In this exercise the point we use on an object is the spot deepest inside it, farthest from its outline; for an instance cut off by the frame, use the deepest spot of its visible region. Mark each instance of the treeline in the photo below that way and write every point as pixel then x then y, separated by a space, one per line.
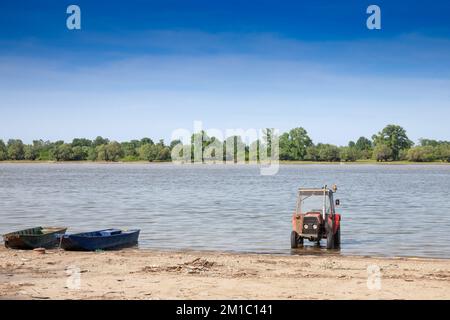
pixel 390 144
pixel 100 149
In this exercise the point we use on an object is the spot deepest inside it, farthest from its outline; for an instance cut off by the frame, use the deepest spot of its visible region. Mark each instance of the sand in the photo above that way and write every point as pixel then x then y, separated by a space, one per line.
pixel 150 274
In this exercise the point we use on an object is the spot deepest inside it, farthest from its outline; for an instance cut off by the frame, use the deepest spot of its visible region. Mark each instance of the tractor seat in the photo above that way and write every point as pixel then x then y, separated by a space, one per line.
pixel 313 213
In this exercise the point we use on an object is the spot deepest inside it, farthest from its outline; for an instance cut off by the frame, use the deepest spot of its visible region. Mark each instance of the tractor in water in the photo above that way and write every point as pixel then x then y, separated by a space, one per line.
pixel 315 218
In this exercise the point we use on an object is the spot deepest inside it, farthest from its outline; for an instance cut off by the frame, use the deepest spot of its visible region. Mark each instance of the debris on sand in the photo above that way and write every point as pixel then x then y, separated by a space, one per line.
pixel 197 265
pixel 39 250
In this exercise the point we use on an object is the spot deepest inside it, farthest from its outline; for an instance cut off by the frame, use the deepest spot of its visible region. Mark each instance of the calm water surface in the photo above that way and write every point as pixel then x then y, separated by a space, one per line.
pixel 387 210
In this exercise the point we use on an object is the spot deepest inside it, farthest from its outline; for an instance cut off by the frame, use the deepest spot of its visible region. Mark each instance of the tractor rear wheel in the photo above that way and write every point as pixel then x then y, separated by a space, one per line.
pixel 337 238
pixel 294 239
pixel 330 238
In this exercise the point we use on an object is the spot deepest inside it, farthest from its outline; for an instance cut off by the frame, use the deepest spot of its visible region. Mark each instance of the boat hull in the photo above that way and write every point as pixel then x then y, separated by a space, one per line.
pixel 91 241
pixel 33 238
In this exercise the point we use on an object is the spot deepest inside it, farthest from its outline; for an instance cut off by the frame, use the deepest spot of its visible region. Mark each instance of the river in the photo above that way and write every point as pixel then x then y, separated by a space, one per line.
pixel 387 210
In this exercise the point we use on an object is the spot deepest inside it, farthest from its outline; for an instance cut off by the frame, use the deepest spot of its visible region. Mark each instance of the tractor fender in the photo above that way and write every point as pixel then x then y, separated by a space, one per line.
pixel 337 222
pixel 297 222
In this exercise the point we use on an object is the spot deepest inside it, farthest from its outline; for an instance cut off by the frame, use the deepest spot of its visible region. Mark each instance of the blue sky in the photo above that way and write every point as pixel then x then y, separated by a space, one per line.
pixel 146 68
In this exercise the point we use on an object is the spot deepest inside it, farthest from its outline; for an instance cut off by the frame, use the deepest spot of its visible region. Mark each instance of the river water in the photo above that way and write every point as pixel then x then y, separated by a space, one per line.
pixel 387 210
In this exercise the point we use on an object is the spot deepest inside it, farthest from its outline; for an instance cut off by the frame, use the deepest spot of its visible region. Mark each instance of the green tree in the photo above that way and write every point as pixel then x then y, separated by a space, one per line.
pixel 62 152
pixel 101 152
pixel 163 154
pixel 16 149
pixel 130 150
pixel 294 144
pixel 41 149
pixel 3 151
pixel 349 154
pixel 428 142
pixel 253 151
pixel 173 143
pixel 147 152
pixel 443 152
pixel 29 152
pixel 161 151
pixel 403 155
pixel 113 151
pixel 99 141
pixel 421 154
pixel 395 138
pixel 146 141
pixel 328 152
pixel 363 144
pixel 92 154
pixel 382 152
pixel 82 142
pixel 234 149
pixel 80 153
pixel 213 150
pixel 265 146
pixel 285 151
pixel 199 142
pixel 433 143
pixel 312 153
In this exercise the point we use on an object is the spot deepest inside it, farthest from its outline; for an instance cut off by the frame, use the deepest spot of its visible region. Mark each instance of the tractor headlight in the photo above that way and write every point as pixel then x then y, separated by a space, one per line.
pixel 305 226
pixel 314 226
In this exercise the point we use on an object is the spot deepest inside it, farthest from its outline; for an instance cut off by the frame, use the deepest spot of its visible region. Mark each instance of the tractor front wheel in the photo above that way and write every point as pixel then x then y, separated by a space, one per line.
pixel 294 239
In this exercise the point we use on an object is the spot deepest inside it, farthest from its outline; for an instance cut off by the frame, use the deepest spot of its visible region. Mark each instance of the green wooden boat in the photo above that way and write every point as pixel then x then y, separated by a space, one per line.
pixel 39 237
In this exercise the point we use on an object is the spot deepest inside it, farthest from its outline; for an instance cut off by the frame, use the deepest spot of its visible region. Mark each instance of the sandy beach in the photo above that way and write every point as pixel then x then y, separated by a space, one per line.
pixel 149 274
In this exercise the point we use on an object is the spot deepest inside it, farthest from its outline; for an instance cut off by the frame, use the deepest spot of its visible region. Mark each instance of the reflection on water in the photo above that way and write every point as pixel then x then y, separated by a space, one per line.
pixel 386 210
pixel 314 249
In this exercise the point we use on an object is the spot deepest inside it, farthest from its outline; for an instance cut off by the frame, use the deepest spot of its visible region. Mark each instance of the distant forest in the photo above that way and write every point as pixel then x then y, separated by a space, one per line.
pixel 390 144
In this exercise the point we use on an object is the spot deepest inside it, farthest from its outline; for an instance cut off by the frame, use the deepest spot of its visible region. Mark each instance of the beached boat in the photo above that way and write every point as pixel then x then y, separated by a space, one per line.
pixel 100 240
pixel 39 237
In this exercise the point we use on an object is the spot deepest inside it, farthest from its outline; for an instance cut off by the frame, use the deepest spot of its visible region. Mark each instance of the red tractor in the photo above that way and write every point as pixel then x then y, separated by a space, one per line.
pixel 315 218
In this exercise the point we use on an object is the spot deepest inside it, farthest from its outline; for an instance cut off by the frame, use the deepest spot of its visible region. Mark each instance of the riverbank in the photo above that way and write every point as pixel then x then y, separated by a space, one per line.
pixel 150 274
pixel 283 162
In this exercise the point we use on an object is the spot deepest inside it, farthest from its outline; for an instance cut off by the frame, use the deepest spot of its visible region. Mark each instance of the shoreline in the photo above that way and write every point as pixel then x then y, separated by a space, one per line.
pixel 281 162
pixel 157 274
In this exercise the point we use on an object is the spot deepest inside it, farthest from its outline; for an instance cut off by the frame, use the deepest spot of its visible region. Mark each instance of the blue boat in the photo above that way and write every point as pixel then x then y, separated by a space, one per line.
pixel 100 240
